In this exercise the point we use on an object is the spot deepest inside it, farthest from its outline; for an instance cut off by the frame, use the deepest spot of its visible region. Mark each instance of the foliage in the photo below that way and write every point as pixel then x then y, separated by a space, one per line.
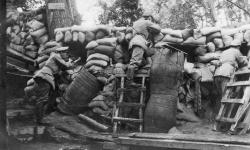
pixel 120 13
pixel 28 4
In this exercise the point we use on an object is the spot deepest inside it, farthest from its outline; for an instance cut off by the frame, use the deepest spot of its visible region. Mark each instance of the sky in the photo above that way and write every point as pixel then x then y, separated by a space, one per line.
pixel 89 10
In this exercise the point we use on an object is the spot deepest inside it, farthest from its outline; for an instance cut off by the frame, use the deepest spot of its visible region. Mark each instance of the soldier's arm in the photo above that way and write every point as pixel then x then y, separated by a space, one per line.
pixel 58 59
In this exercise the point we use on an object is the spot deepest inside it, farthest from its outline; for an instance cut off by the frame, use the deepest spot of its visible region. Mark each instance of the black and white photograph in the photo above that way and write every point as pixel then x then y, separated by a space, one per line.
pixel 124 74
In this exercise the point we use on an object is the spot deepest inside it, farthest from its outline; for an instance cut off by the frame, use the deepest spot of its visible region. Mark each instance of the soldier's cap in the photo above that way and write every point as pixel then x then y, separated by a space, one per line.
pixel 62 49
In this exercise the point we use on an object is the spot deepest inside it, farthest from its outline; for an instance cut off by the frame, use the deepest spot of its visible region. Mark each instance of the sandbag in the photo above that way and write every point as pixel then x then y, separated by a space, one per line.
pixel 227 40
pixel 68 37
pixel 200 51
pixel 59 36
pixel 48 50
pixel 103 49
pixel 210 37
pixel 97 56
pixel 209 30
pixel 89 36
pixel 169 38
pixel 8 31
pixel 200 41
pixel 16 39
pixel 244 27
pixel 18 48
pixel 31 54
pixel 100 34
pixel 43 39
pixel 229 31
pixel 107 41
pixel 238 39
pixel 35 25
pixel 210 47
pixel 100 63
pixel 81 37
pixel 94 69
pixel 52 44
pixel 41 59
pixel 218 43
pixel 39 17
pixel 29 40
pixel 208 57
pixel 16 29
pixel 247 37
pixel 91 45
pixel 186 33
pixel 174 33
pixel 23 35
pixel 31 48
pixel 75 36
pixel 38 33
pixel 196 33
pixel 41 65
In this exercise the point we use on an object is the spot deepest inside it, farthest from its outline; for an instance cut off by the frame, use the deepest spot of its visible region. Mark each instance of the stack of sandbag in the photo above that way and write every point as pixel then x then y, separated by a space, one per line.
pixel 44 52
pixel 82 34
pixel 27 32
pixel 100 52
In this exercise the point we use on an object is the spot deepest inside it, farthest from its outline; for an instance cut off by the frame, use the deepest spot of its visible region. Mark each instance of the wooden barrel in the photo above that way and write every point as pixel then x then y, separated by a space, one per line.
pixel 80 92
pixel 166 73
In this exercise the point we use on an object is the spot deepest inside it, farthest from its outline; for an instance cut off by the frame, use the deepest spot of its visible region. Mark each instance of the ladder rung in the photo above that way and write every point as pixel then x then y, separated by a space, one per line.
pixel 229 120
pixel 239 83
pixel 124 104
pixel 131 89
pixel 115 119
pixel 136 75
pixel 242 125
pixel 242 72
pixel 240 101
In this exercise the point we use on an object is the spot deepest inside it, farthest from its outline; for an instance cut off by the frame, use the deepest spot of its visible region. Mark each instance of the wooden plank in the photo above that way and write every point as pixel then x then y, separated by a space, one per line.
pixel 19 56
pixel 242 72
pixel 239 83
pixel 166 143
pixel 229 120
pixel 240 101
pixel 221 138
pixel 56 6
pixel 127 119
pixel 125 104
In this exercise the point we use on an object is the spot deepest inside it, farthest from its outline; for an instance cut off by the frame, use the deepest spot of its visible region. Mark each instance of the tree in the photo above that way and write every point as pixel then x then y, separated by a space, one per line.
pixel 57 18
pixel 121 13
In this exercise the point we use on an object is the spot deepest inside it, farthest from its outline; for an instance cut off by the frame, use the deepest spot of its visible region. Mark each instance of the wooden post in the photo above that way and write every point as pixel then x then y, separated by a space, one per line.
pixel 3 133
pixel 60 13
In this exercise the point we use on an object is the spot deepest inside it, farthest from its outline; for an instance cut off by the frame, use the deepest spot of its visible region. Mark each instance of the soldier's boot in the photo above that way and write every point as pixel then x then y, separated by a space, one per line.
pixel 130 76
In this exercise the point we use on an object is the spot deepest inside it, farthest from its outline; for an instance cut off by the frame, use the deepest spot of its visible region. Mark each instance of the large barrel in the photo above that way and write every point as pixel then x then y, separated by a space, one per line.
pixel 166 73
pixel 80 92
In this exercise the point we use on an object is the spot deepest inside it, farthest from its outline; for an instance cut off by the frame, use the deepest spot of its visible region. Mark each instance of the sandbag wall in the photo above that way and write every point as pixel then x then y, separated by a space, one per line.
pixel 26 32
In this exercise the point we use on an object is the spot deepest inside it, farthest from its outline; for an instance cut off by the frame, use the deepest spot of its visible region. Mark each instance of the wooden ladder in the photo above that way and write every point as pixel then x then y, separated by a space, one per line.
pixel 233 109
pixel 121 104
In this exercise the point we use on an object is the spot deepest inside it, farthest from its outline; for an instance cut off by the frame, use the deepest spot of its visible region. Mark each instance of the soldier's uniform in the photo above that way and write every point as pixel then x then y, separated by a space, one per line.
pixel 44 83
pixel 143 31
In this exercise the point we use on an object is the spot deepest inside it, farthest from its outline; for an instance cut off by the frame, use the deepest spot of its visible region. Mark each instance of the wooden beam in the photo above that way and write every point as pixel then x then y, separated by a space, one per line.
pixel 3 132
pixel 221 138
pixel 176 144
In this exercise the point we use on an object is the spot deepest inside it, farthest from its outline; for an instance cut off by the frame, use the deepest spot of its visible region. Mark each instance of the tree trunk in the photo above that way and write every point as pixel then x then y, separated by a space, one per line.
pixel 3 133
pixel 57 18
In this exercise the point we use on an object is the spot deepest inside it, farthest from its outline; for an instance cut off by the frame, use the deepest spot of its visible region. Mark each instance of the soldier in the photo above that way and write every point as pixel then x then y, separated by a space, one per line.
pixel 44 81
pixel 143 32
pixel 230 60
